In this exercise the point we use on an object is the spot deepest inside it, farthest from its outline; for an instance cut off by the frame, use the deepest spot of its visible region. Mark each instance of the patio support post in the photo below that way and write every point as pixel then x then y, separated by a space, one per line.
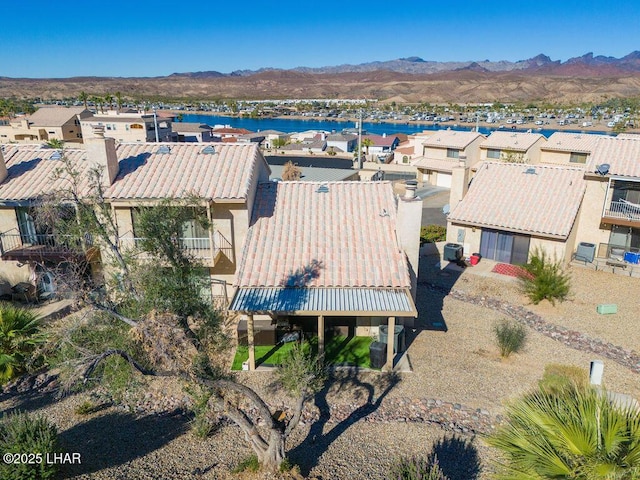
pixel 250 342
pixel 320 334
pixel 390 338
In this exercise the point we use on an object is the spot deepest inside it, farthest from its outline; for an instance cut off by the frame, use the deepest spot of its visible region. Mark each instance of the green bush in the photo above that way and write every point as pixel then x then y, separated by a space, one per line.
pixel 557 377
pixel 511 337
pixel 416 468
pixel 19 336
pixel 432 234
pixel 249 464
pixel 546 280
pixel 25 434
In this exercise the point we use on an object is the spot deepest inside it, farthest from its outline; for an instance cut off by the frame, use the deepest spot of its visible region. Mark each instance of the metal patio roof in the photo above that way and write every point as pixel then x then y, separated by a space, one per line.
pixel 325 301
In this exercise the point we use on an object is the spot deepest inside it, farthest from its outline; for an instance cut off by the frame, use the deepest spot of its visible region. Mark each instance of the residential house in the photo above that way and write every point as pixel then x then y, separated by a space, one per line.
pixel 342 142
pixel 228 134
pixel 136 174
pixel 381 146
pixel 271 135
pixel 411 148
pixel 306 253
pixel 251 138
pixel 563 148
pixel 315 144
pixel 317 257
pixel 610 217
pixel 444 150
pixel 46 123
pixel 512 147
pixel 510 209
pixel 130 126
pixel 192 132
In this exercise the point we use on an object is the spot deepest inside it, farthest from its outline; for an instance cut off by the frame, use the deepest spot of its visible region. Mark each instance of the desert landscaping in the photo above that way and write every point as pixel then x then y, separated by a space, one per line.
pixel 452 397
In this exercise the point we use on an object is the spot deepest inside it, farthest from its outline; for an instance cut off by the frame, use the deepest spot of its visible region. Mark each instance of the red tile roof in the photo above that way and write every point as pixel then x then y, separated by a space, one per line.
pixel 503 196
pixel 144 173
pixel 333 234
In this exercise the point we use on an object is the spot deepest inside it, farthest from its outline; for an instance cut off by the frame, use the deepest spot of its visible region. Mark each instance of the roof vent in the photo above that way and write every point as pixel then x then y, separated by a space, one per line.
pixel 322 189
pixel 208 150
pixel 603 169
pixel 57 155
pixel 163 149
pixel 530 171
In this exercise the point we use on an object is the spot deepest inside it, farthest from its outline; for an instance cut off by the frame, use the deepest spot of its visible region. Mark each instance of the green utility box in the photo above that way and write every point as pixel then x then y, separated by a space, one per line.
pixel 605 308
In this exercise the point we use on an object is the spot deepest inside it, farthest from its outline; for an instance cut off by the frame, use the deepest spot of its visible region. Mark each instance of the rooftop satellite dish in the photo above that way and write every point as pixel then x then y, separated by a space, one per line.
pixel 603 169
pixel 446 209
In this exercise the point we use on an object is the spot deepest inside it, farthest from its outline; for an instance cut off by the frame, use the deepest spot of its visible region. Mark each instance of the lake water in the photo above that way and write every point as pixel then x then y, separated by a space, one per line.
pixel 297 125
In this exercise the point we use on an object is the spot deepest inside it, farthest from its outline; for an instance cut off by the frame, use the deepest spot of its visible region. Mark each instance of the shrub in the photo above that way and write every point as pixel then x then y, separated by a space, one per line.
pixel 249 464
pixel 19 337
pixel 21 433
pixel 416 468
pixel 557 378
pixel 511 337
pixel 203 424
pixel 433 233
pixel 547 279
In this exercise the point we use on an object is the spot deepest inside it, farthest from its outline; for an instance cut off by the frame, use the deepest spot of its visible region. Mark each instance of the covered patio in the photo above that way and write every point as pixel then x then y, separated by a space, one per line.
pixel 351 311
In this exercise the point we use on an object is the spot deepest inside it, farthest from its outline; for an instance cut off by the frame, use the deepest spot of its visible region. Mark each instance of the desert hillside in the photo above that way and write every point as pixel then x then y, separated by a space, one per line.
pixel 456 87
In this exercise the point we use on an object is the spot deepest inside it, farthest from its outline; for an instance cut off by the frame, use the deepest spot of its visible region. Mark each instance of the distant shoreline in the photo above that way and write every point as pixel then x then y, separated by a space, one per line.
pixel 597 127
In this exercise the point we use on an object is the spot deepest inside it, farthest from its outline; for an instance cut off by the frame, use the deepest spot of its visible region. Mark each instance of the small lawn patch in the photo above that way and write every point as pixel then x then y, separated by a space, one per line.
pixel 339 350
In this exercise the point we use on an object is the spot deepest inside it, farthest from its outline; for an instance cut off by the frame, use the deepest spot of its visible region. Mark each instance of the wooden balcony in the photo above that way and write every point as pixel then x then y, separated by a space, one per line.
pixel 36 247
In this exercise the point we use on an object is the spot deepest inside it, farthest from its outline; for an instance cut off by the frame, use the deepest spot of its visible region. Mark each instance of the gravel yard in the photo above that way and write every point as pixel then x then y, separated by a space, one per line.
pixel 457 387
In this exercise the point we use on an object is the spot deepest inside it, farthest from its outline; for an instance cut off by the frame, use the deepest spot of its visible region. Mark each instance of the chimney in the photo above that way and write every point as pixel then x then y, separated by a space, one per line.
pixel 101 152
pixel 459 182
pixel 408 223
pixel 3 167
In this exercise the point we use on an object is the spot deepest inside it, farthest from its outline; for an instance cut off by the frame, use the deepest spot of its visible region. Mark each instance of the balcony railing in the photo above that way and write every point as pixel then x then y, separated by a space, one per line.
pixel 623 210
pixel 43 245
pixel 200 248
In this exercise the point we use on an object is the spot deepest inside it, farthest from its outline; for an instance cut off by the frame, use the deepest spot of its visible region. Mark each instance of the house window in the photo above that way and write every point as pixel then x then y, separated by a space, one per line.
pixel 453 153
pixel 405 159
pixel 578 157
pixel 493 153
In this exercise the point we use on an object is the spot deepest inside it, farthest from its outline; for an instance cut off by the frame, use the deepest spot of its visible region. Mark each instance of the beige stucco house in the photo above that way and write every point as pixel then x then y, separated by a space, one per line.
pixel 280 252
pixel 563 148
pixel 512 147
pixel 443 151
pixel 130 126
pixel 45 124
pixel 590 209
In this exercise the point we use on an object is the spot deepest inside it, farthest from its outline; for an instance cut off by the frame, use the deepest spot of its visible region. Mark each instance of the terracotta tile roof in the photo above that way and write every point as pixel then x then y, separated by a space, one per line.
pixel 31 171
pixel 233 131
pixel 451 139
pixel 504 197
pixel 190 127
pixel 571 142
pixel 511 140
pixel 342 233
pixel 146 174
pixel 435 164
pixel 621 153
pixel 53 116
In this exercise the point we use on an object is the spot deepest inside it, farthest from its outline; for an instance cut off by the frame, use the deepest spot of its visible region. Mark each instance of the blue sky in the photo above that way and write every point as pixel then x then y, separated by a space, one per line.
pixel 143 38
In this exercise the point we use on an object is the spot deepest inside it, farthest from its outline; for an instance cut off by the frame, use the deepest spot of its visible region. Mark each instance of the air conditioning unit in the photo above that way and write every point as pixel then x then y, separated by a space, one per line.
pixel 452 252
pixel 586 252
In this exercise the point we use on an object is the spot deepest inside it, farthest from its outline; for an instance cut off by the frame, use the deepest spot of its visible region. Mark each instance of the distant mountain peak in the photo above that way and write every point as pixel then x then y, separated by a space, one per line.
pixel 413 59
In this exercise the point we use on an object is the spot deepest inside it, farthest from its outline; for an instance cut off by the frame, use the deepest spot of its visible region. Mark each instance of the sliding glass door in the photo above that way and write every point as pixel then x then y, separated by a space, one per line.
pixel 505 247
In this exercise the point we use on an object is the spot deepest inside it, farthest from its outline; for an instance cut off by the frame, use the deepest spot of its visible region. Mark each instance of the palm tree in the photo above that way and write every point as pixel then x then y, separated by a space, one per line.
pixel 84 98
pixel 573 433
pixel 19 336
pixel 366 143
pixel 119 101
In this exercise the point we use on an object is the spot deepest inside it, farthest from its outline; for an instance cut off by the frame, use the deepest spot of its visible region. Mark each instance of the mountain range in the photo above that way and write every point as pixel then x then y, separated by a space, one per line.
pixel 587 78
pixel 598 64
